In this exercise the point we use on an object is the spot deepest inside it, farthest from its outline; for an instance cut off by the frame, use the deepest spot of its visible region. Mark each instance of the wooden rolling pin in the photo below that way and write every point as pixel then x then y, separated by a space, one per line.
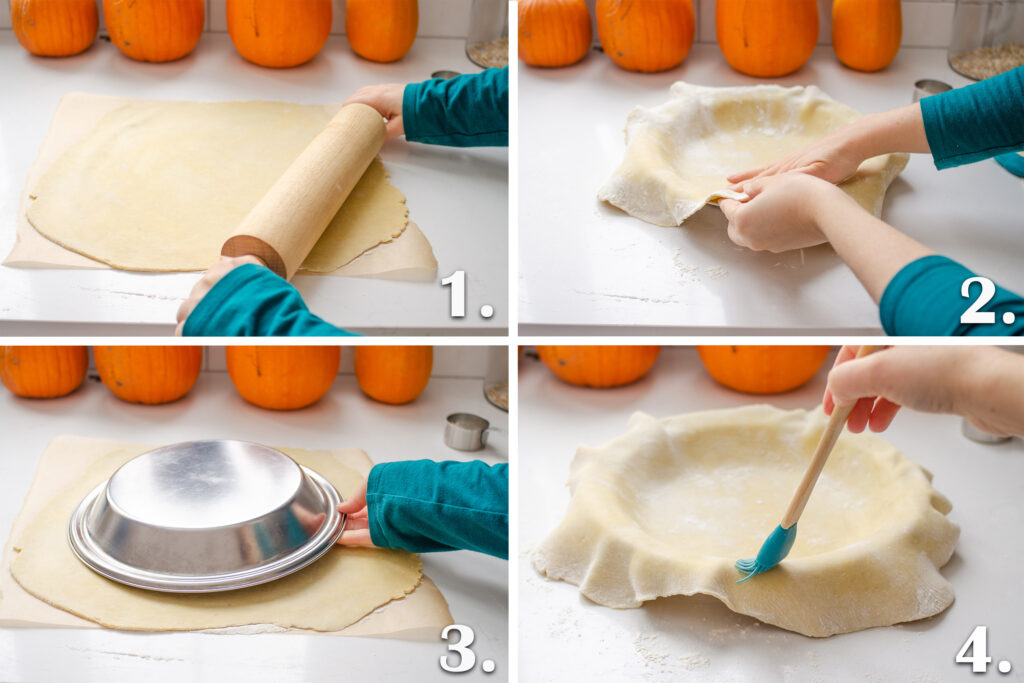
pixel 285 224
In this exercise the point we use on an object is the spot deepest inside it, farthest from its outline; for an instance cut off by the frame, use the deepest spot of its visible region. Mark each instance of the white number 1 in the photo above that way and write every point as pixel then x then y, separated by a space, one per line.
pixel 457 280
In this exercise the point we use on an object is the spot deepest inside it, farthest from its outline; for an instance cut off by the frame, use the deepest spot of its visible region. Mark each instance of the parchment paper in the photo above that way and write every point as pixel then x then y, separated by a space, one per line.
pixel 408 257
pixel 420 615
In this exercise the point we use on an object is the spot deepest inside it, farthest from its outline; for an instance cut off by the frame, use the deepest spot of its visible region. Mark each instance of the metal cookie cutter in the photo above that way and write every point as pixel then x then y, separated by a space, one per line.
pixel 466 432
pixel 929 86
pixel 981 436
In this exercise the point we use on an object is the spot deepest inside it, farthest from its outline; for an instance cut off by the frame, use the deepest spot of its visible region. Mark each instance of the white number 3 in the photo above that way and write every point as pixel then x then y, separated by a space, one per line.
pixel 467 658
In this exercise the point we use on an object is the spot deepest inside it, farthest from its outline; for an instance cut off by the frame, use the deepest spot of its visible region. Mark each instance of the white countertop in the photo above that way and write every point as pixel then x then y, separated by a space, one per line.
pixel 588 268
pixel 458 197
pixel 475 585
pixel 565 637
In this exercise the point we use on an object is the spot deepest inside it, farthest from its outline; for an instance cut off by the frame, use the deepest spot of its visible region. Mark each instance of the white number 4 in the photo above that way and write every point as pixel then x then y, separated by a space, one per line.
pixel 977 642
pixel 467 658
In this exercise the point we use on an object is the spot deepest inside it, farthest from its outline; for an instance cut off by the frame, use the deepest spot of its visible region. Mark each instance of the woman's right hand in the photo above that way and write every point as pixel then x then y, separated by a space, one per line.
pixel 387 100
pixel 834 158
pixel 980 383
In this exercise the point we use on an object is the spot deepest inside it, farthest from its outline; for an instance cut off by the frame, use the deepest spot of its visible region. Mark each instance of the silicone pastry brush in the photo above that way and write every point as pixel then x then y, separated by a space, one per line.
pixel 779 542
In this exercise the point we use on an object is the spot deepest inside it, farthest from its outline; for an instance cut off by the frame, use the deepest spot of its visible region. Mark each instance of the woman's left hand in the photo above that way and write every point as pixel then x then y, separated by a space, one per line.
pixel 782 213
pixel 357 526
pixel 218 270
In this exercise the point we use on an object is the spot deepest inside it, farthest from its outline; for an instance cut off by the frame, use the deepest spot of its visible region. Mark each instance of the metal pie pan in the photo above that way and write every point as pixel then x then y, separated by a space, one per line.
pixel 204 516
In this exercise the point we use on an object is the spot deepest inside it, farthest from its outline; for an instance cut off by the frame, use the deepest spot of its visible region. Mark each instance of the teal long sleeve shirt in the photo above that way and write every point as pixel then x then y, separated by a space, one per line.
pixel 465 111
pixel 470 110
pixel 428 506
pixel 251 301
pixel 965 125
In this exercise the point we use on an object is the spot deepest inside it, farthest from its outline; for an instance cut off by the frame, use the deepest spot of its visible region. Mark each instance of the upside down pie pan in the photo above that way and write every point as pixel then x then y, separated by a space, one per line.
pixel 204 516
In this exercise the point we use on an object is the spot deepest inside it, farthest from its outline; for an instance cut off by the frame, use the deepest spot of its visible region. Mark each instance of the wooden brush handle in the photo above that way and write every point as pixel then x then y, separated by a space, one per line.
pixel 285 224
pixel 828 440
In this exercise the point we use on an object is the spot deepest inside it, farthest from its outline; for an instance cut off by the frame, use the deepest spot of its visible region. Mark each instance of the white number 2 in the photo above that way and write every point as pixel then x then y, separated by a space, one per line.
pixel 973 315
pixel 457 281
pixel 467 658
pixel 977 642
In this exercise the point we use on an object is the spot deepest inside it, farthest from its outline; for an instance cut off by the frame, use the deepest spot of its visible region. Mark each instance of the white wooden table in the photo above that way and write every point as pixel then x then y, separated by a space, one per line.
pixel 476 586
pixel 458 197
pixel 588 268
pixel 565 637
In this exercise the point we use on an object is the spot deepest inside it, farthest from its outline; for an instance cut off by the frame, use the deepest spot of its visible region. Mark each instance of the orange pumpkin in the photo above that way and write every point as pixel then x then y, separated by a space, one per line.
pixel 766 38
pixel 43 371
pixel 283 377
pixel 645 35
pixel 866 34
pixel 553 32
pixel 154 30
pixel 599 366
pixel 148 374
pixel 763 369
pixel 381 30
pixel 55 28
pixel 393 374
pixel 279 34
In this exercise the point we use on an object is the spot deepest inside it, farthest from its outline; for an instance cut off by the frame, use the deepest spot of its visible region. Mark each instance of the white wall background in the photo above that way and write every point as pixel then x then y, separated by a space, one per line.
pixel 438 18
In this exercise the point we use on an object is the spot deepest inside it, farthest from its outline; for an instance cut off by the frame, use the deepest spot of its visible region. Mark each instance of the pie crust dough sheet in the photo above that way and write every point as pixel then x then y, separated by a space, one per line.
pixel 679 153
pixel 158 186
pixel 349 591
pixel 667 508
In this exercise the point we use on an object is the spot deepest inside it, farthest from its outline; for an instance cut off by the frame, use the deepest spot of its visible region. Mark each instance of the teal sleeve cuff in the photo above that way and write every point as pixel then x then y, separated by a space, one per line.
pixel 428 506
pixel 923 299
pixel 470 110
pixel 251 301
pixel 978 121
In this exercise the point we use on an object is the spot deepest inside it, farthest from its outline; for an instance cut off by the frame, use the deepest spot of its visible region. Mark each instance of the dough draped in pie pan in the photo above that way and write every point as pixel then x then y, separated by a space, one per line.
pixel 678 154
pixel 668 507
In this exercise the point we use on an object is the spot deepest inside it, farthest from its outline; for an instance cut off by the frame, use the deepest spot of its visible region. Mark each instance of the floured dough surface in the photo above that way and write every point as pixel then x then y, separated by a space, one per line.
pixel 335 591
pixel 679 153
pixel 667 508
pixel 159 186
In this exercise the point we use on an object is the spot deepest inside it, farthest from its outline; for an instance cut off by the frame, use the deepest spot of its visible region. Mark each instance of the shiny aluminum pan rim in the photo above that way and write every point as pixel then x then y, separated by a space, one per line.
pixel 89 552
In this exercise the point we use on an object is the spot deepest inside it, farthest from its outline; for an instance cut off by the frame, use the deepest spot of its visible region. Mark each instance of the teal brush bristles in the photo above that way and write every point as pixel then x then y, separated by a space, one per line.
pixel 774 550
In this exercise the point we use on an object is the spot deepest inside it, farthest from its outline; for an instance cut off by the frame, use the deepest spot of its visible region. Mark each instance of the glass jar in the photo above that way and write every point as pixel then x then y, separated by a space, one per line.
pixel 988 37
pixel 496 378
pixel 487 38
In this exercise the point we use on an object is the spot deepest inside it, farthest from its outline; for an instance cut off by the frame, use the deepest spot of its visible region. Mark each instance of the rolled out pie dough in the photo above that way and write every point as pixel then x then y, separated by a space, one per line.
pixel 332 594
pixel 667 508
pixel 679 153
pixel 159 186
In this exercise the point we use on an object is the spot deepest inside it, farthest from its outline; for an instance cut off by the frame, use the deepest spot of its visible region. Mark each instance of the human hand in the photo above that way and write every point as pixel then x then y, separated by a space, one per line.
pixel 781 214
pixel 357 525
pixel 223 266
pixel 834 158
pixel 386 99
pixel 977 382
